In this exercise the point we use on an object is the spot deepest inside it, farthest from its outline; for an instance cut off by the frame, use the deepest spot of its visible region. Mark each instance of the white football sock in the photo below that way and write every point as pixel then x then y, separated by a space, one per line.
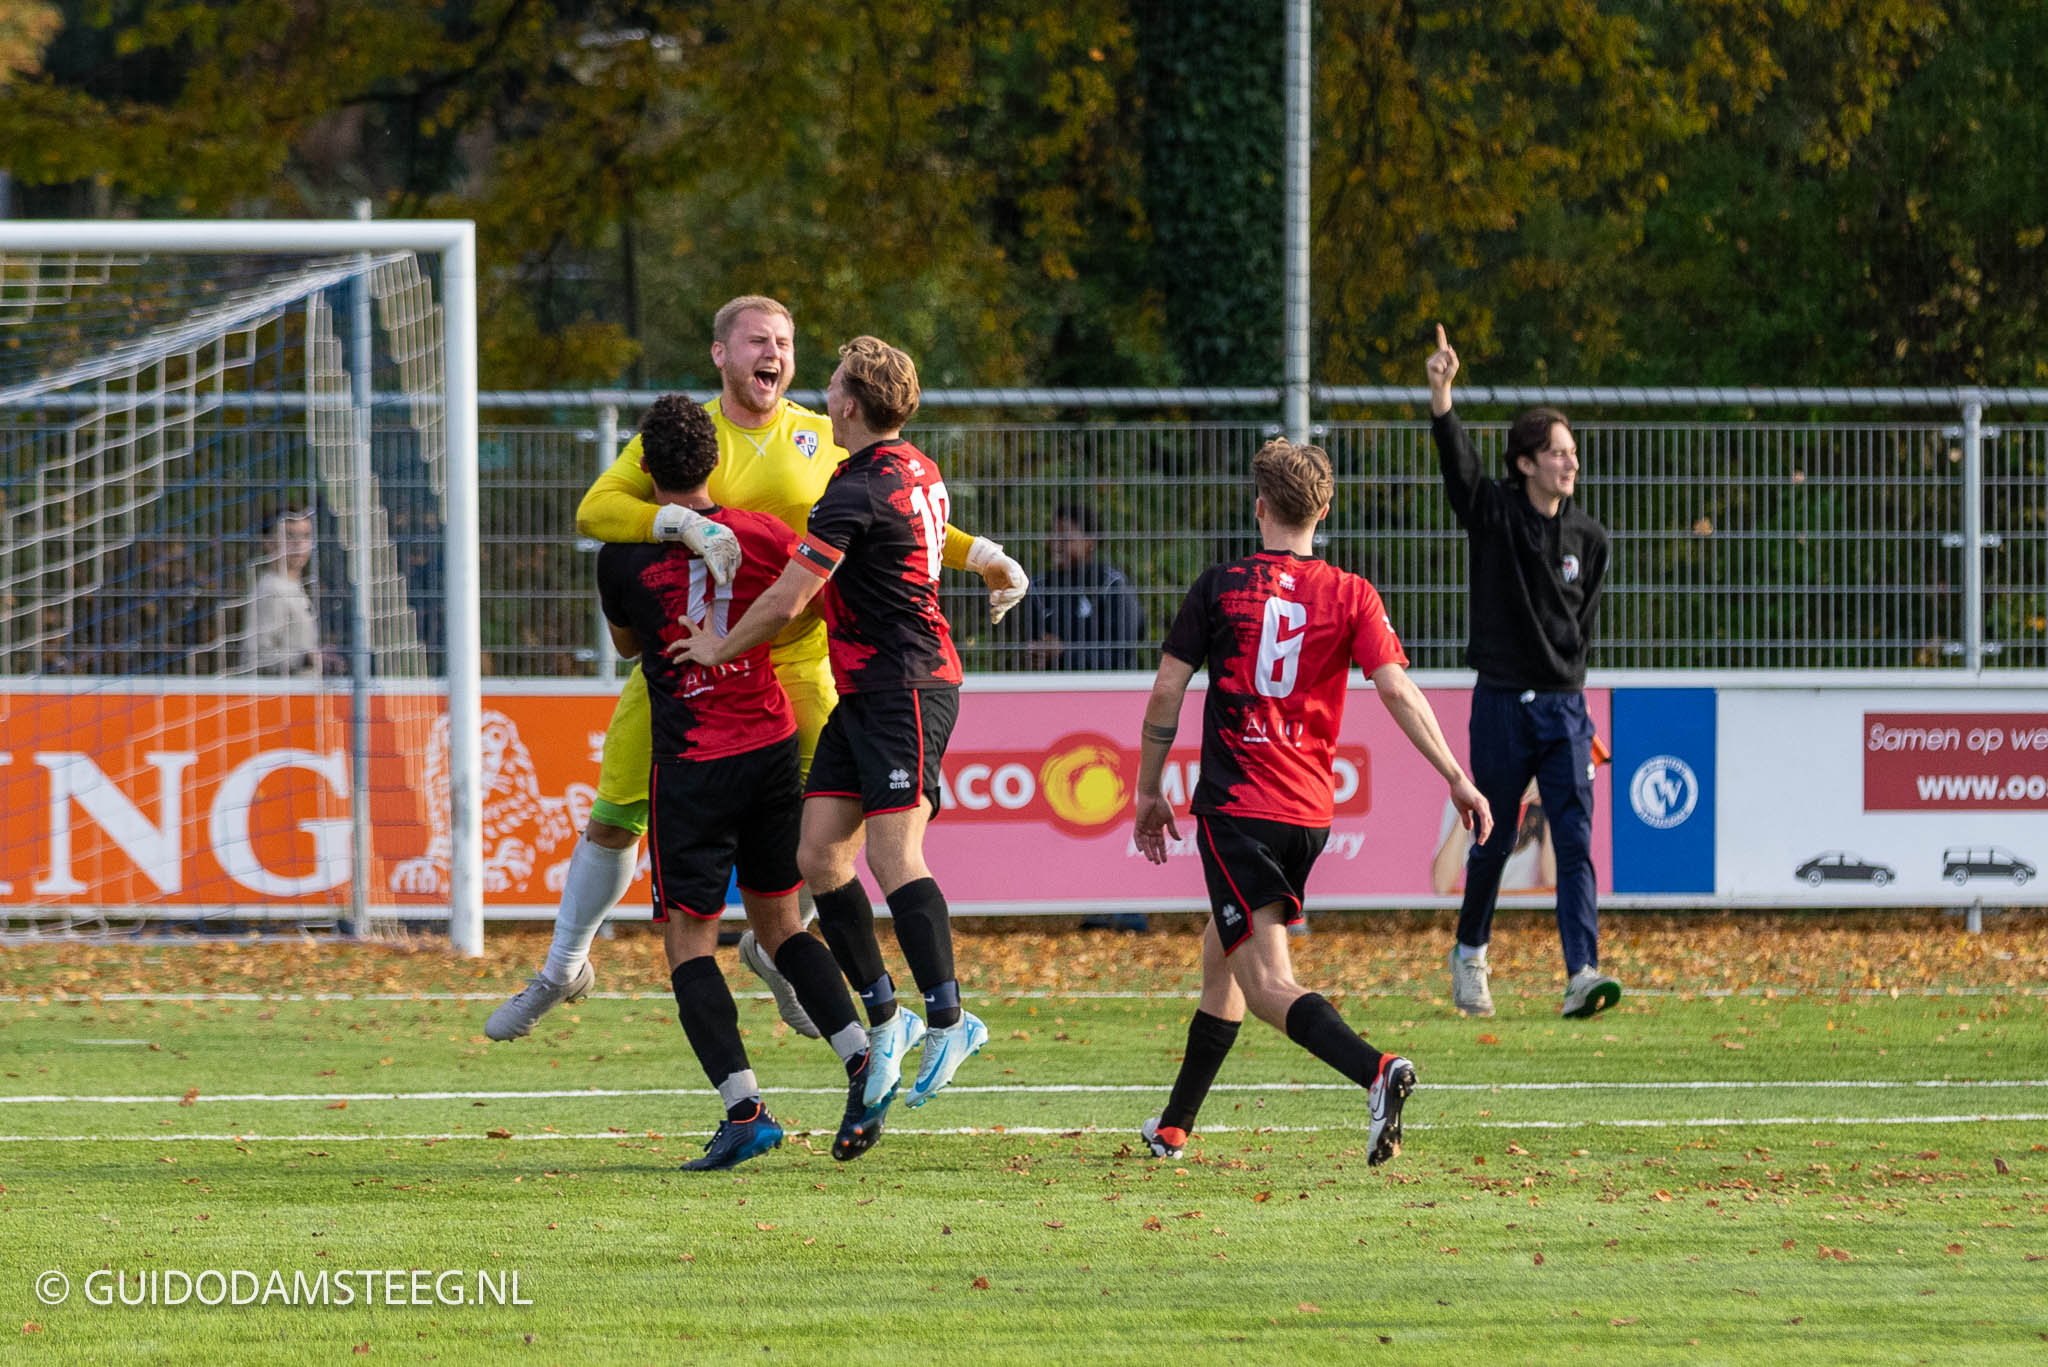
pixel 1466 951
pixel 738 1088
pixel 850 1043
pixel 598 877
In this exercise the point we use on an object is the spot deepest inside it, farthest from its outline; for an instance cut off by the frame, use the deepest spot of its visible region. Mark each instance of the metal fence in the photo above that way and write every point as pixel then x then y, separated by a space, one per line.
pixel 1760 543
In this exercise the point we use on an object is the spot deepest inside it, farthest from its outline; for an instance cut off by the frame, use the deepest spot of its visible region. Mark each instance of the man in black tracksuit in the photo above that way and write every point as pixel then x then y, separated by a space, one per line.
pixel 1538 563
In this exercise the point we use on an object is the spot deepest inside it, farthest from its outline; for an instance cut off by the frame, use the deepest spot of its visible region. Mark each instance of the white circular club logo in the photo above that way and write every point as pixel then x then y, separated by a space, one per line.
pixel 1664 791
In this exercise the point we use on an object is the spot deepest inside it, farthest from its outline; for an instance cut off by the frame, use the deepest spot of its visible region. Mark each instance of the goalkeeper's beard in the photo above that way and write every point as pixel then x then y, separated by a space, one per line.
pixel 742 391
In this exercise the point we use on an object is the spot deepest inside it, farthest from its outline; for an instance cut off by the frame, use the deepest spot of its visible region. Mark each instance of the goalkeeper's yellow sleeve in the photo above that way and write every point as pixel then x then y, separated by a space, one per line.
pixel 954 557
pixel 619 506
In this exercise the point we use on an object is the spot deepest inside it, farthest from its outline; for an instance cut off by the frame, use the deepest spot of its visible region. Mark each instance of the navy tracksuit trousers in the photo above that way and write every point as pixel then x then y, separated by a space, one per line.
pixel 1547 736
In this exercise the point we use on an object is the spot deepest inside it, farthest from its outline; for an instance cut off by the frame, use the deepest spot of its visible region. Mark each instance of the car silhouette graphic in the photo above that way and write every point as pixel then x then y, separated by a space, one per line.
pixel 1840 866
pixel 1961 863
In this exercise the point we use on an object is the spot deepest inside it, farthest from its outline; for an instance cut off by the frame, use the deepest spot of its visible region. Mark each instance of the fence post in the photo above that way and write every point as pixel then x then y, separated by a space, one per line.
pixel 607 452
pixel 1973 536
pixel 361 567
pixel 1294 399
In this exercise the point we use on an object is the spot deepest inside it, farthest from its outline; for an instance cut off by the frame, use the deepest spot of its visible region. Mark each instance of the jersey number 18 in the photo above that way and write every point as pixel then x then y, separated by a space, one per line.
pixel 929 502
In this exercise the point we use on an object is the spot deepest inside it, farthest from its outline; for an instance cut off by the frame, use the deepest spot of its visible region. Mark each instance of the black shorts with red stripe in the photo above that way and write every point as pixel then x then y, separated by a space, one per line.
pixel 1251 863
pixel 884 748
pixel 709 817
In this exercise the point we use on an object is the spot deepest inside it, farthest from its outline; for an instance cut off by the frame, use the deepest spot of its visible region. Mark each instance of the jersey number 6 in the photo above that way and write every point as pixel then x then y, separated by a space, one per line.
pixel 1280 638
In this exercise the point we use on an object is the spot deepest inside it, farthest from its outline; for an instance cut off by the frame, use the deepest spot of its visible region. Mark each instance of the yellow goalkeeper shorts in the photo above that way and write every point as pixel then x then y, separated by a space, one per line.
pixel 805 674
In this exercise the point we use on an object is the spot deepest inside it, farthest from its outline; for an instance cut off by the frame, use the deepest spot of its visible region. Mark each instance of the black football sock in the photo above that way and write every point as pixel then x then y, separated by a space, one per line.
pixel 1209 1041
pixel 1315 1025
pixel 847 919
pixel 822 992
pixel 925 934
pixel 711 1019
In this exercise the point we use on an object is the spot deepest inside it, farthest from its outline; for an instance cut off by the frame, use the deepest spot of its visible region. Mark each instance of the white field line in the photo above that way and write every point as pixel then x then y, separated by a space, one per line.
pixel 1007 1131
pixel 1016 1089
pixel 53 998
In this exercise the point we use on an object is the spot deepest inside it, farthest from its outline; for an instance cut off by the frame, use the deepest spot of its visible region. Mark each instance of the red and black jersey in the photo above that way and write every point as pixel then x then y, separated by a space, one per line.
pixel 701 711
pixel 1278 632
pixel 877 535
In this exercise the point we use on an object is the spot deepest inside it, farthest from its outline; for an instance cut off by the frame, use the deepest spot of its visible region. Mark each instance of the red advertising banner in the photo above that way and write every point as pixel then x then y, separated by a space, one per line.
pixel 118 798
pixel 1955 761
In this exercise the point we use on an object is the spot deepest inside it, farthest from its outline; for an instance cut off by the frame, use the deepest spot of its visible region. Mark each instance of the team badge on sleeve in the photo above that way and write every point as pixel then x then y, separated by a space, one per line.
pixel 807 442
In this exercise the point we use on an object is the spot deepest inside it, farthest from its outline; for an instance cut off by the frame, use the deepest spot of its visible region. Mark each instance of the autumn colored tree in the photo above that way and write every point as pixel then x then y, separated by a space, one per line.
pixel 938 171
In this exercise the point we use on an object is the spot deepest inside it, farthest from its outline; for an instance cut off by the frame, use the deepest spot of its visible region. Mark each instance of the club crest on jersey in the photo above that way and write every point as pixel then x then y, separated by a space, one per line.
pixel 807 442
pixel 1570 567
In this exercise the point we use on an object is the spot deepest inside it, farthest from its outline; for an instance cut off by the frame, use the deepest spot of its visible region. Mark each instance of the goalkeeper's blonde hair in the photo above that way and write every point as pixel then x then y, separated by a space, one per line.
pixel 728 316
pixel 1295 480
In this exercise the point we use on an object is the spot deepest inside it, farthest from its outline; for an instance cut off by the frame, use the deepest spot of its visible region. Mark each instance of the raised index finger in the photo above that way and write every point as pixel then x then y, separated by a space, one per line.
pixel 1443 343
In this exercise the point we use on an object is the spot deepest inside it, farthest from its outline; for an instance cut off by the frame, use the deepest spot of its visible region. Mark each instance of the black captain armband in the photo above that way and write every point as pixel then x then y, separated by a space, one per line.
pixel 1163 734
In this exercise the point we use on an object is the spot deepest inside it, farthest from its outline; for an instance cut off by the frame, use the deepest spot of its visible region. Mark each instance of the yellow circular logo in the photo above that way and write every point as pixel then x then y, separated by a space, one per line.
pixel 1084 783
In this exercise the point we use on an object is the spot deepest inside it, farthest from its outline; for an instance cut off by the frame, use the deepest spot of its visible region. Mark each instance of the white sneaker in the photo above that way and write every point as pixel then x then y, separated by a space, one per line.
pixel 758 959
pixel 517 1017
pixel 944 1051
pixel 1388 1091
pixel 888 1044
pixel 1589 992
pixel 1469 992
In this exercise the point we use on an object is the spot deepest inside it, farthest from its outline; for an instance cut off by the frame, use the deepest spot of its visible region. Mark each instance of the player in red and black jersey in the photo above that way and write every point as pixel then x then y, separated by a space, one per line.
pixel 872 555
pixel 1278 632
pixel 724 791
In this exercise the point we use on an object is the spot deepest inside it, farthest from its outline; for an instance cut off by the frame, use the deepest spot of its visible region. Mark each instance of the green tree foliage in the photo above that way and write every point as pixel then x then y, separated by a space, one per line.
pixel 1492 165
pixel 1211 81
pixel 1904 245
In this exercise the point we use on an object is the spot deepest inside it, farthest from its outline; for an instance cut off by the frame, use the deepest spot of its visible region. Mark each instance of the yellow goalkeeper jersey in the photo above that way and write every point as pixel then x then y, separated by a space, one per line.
pixel 782 469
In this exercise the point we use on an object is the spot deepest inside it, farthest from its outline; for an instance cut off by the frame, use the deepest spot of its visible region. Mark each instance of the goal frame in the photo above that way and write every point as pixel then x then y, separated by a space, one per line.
pixel 453 243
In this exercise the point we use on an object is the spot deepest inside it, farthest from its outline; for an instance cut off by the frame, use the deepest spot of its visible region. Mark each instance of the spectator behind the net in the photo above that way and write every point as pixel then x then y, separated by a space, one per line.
pixel 1088 613
pixel 280 630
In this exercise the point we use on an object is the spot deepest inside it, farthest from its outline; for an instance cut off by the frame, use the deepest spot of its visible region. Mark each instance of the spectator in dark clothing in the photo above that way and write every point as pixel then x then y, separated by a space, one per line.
pixel 1539 562
pixel 1088 614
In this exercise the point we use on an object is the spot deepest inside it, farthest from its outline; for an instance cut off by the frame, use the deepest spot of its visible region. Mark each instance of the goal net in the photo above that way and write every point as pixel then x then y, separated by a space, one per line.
pixel 237 473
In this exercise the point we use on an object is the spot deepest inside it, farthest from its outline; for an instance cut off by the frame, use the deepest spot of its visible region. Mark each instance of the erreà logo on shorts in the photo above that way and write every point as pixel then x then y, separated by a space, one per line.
pixel 1663 791
pixel 899 778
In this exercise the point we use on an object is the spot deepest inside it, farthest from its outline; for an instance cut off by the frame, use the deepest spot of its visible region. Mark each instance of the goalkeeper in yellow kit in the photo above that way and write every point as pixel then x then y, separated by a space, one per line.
pixel 775 457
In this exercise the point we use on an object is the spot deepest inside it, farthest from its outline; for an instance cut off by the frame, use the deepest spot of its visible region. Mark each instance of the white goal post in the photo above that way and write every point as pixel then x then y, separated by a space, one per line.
pixel 149 368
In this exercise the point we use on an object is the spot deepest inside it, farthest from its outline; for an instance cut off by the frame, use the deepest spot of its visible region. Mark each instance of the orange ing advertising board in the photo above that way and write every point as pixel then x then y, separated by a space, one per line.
pixel 123 798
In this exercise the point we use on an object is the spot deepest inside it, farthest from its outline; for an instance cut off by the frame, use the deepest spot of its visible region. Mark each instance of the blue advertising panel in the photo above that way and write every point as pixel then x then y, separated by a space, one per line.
pixel 1664 790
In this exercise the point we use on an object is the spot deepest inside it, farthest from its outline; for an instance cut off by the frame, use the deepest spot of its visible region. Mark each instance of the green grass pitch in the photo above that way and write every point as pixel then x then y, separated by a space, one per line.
pixel 1805 1176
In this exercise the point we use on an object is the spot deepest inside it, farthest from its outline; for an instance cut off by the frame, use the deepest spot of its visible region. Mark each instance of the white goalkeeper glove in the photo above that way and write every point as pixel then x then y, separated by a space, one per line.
pixel 712 541
pixel 1006 580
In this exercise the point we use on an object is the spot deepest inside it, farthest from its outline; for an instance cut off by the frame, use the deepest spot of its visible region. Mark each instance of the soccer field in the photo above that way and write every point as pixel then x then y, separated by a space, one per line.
pixel 1803 1139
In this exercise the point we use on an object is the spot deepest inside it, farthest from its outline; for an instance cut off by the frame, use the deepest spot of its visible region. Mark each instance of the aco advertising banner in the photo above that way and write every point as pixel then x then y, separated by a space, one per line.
pixel 1849 796
pixel 219 800
pixel 1037 813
